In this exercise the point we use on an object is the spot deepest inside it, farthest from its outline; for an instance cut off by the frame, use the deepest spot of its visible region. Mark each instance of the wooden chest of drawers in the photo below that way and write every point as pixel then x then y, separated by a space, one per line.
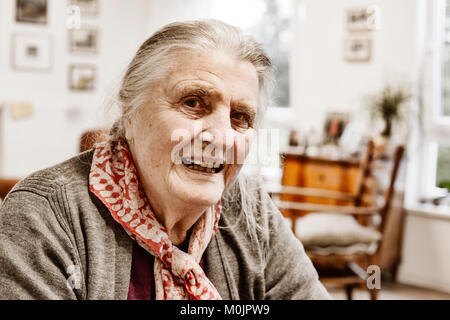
pixel 320 173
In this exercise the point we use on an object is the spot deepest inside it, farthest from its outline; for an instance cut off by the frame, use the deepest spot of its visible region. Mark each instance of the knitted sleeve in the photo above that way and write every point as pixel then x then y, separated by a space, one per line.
pixel 36 256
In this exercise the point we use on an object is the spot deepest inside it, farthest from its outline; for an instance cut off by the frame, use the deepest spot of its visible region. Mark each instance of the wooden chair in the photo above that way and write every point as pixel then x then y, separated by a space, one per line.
pixel 336 263
pixel 5 186
pixel 90 137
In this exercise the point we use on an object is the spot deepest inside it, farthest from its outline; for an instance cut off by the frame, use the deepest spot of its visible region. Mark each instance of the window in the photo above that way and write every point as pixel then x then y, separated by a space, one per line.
pixel 269 22
pixel 443 168
pixel 433 155
pixel 445 70
pixel 443 107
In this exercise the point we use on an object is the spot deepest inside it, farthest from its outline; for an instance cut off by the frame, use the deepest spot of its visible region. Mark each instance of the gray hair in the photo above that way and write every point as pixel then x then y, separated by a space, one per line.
pixel 158 53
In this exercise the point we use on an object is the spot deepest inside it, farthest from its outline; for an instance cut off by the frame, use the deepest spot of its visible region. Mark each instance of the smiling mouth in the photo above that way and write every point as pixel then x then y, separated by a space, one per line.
pixel 208 167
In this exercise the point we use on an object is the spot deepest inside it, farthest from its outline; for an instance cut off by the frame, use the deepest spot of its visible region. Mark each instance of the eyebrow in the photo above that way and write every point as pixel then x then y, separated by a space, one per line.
pixel 201 90
pixel 243 107
pixel 207 91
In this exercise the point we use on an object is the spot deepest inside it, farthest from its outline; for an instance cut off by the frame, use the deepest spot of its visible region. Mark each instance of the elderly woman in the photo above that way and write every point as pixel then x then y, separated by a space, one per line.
pixel 147 215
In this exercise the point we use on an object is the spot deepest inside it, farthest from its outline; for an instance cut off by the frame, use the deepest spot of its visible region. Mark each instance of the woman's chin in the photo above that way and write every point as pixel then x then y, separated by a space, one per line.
pixel 197 188
pixel 199 195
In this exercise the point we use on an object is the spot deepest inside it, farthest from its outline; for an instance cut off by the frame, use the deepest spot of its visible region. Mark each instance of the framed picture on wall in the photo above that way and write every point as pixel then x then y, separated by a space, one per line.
pixel 31 11
pixel 363 18
pixel 83 40
pixel 87 7
pixel 82 77
pixel 358 49
pixel 31 52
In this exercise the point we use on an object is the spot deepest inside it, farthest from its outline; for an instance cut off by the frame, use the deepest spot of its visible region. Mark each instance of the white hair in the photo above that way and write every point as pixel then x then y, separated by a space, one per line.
pixel 157 55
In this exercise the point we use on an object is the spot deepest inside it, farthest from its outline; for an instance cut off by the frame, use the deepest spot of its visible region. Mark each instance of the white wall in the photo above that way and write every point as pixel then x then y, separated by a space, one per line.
pixel 323 81
pixel 426 254
pixel 51 134
pixel 162 12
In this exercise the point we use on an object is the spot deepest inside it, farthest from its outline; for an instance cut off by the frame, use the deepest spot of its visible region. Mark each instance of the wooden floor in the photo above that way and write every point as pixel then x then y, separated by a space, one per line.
pixel 392 291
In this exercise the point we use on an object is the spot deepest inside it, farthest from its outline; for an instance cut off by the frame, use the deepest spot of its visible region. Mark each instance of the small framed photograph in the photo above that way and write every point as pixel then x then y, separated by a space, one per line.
pixel 31 52
pixel 358 49
pixel 31 11
pixel 82 77
pixel 87 7
pixel 83 40
pixel 335 123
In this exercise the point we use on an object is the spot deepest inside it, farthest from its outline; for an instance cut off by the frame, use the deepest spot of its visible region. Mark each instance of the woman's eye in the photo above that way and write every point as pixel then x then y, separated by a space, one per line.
pixel 240 120
pixel 192 103
pixel 194 106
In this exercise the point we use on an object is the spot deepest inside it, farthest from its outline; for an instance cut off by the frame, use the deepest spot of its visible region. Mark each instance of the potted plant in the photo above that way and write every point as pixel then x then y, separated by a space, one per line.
pixel 389 106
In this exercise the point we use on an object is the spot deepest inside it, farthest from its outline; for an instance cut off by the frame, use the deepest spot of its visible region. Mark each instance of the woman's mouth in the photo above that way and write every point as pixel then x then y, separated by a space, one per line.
pixel 202 166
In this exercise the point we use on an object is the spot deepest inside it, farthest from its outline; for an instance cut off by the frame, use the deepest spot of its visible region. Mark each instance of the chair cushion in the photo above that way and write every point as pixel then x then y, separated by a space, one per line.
pixel 334 230
pixel 357 248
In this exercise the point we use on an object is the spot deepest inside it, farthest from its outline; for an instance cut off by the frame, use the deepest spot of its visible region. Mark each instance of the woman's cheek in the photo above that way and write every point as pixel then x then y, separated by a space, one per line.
pixel 242 147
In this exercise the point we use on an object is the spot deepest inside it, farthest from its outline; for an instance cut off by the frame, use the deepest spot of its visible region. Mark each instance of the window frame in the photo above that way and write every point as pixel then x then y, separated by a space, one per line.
pixel 437 38
pixel 436 125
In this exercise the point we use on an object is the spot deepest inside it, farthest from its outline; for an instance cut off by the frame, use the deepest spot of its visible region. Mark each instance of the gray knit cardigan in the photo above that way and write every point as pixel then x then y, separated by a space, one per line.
pixel 58 241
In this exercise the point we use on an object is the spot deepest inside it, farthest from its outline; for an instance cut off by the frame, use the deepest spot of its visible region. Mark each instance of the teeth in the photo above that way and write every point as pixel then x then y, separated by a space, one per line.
pixel 186 161
pixel 201 166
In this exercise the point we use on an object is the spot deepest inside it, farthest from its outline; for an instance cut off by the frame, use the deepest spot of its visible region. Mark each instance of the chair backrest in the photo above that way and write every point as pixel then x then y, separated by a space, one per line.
pixel 89 138
pixel 388 194
pixel 364 173
pixel 5 186
pixel 378 186
pixel 381 164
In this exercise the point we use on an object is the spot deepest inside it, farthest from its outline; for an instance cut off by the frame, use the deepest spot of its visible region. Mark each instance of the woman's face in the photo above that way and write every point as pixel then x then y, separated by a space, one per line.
pixel 203 114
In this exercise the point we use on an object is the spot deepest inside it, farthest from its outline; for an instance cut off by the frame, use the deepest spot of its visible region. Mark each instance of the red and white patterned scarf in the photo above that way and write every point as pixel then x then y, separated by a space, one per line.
pixel 178 275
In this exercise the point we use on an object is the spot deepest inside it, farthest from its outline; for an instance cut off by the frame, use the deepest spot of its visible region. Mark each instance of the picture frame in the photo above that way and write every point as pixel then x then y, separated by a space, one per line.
pixel 31 11
pixel 335 123
pixel 358 49
pixel 83 40
pixel 363 18
pixel 82 77
pixel 87 7
pixel 31 52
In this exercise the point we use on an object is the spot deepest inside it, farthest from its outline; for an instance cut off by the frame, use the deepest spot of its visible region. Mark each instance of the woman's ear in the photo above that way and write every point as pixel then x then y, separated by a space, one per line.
pixel 128 127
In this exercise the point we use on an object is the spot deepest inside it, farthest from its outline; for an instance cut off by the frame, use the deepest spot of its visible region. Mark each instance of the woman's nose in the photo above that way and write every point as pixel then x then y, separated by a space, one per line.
pixel 218 133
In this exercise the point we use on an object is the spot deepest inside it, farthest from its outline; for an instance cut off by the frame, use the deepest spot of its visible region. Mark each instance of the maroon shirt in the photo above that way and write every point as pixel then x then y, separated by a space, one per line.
pixel 142 281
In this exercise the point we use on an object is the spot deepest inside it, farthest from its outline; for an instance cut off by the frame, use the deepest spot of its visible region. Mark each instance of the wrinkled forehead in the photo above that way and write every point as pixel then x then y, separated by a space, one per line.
pixel 216 72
